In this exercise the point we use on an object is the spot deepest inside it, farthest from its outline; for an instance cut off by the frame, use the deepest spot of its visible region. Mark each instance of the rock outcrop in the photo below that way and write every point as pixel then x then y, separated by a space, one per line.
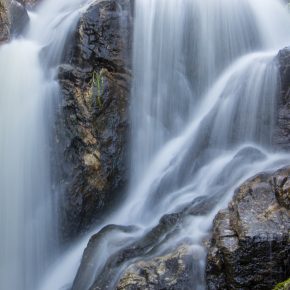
pixel 93 121
pixel 172 271
pixel 13 19
pixel 4 21
pixel 250 247
pixel 282 133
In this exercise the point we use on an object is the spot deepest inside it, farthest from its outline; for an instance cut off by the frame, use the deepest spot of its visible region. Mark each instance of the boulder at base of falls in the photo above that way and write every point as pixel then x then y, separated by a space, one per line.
pixel 172 271
pixel 92 124
pixel 250 247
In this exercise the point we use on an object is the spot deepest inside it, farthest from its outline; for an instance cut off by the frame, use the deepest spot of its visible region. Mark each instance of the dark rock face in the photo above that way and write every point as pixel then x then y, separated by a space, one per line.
pixel 250 246
pixel 93 121
pixel 282 133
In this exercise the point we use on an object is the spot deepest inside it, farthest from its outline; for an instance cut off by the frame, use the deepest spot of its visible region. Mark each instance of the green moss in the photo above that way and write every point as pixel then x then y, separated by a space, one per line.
pixel 283 285
pixel 97 84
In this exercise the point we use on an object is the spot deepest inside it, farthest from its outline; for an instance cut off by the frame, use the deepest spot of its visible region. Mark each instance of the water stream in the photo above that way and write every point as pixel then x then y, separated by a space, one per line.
pixel 28 93
pixel 203 110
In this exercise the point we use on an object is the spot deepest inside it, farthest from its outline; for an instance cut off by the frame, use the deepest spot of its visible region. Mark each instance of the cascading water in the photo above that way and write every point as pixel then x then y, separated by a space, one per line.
pixel 203 113
pixel 28 221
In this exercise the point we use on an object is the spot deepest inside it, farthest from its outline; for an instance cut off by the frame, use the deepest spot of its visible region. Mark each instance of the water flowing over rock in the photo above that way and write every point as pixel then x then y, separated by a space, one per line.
pixel 201 124
pixel 93 123
pixel 250 245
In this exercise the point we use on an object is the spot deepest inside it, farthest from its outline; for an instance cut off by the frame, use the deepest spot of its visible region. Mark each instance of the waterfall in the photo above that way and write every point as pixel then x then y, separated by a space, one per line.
pixel 203 112
pixel 28 214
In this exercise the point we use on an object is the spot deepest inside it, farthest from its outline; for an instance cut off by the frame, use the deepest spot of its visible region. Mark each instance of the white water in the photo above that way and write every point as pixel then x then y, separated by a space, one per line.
pixel 28 214
pixel 203 110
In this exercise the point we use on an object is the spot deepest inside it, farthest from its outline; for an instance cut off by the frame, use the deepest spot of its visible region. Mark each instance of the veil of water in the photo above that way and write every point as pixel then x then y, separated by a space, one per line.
pixel 203 110
pixel 28 221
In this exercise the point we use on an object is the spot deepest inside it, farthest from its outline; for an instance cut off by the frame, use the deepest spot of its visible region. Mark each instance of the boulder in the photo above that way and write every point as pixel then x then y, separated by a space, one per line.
pixel 250 247
pixel 92 124
pixel 173 271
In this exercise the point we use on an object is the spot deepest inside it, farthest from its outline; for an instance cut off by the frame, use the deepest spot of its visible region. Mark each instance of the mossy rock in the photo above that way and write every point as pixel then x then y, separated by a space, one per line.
pixel 283 285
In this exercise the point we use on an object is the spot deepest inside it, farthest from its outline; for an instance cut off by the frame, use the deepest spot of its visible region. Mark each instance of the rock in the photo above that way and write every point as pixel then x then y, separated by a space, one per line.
pixel 137 248
pixel 282 133
pixel 92 125
pixel 30 3
pixel 13 19
pixel 172 271
pixel 19 18
pixel 4 21
pixel 250 245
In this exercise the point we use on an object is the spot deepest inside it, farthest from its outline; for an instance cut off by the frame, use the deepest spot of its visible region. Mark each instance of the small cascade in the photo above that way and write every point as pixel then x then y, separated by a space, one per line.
pixel 28 94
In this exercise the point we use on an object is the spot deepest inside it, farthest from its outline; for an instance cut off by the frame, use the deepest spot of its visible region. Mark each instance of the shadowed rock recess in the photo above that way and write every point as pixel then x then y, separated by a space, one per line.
pixel 93 119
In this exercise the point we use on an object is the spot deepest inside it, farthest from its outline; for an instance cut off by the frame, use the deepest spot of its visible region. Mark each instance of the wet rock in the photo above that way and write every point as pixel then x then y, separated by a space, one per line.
pixel 172 271
pixel 13 19
pixel 30 3
pixel 4 21
pixel 282 132
pixel 92 126
pixel 250 245
pixel 140 247
pixel 19 18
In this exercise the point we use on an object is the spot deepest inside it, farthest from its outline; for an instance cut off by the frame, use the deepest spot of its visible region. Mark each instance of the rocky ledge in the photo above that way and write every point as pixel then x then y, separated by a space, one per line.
pixel 93 119
pixel 250 247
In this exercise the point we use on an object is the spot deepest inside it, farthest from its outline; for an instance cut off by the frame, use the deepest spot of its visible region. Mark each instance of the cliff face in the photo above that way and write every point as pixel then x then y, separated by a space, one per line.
pixel 93 119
